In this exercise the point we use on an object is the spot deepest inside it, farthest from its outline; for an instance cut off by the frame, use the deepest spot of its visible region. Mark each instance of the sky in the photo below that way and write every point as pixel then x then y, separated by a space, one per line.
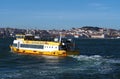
pixel 59 14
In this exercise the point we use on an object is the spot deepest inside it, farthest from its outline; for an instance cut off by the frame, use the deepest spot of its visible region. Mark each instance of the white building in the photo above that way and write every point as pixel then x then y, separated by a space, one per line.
pixel 97 36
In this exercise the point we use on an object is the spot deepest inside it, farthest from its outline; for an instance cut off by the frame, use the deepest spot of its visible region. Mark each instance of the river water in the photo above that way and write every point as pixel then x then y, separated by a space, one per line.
pixel 98 59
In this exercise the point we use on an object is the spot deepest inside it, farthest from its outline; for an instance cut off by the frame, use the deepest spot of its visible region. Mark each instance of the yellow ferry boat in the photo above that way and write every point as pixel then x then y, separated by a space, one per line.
pixel 27 44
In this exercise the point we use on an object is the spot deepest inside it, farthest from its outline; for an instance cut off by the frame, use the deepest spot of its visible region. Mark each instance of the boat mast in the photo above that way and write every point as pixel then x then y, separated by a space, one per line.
pixel 60 37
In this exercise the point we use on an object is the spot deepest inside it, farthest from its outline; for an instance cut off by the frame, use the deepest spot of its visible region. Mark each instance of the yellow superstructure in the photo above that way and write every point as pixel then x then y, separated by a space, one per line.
pixel 31 46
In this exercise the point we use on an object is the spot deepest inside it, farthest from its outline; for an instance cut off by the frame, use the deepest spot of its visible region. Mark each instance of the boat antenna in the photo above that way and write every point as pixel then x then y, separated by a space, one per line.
pixel 60 37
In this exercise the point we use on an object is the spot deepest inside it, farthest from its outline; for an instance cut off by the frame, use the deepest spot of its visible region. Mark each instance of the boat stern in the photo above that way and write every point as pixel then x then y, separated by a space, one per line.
pixel 72 52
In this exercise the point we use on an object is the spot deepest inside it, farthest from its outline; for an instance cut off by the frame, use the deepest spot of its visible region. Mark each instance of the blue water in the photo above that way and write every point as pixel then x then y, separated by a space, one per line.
pixel 99 59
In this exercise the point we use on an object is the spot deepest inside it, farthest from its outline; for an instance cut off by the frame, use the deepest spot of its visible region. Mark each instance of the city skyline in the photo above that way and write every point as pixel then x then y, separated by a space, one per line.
pixel 59 14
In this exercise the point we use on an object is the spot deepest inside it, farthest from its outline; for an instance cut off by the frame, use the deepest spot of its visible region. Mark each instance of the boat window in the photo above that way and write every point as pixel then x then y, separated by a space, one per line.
pixel 15 45
pixel 29 37
pixel 56 47
pixel 20 36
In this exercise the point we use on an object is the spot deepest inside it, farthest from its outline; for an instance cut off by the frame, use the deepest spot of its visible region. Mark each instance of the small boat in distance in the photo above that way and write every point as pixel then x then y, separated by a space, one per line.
pixel 30 44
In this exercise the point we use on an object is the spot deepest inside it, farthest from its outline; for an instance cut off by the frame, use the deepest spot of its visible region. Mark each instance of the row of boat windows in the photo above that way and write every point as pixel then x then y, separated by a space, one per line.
pixel 34 46
pixel 51 47
pixel 30 46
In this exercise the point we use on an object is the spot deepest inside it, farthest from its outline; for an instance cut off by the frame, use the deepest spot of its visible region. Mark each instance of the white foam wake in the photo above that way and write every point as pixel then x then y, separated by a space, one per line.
pixel 87 58
pixel 97 63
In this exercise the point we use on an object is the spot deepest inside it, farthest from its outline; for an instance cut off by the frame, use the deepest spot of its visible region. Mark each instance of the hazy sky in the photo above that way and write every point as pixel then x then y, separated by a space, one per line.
pixel 59 14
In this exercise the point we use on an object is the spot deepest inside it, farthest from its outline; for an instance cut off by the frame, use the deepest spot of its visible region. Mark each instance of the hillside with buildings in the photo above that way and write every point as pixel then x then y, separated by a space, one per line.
pixel 83 32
